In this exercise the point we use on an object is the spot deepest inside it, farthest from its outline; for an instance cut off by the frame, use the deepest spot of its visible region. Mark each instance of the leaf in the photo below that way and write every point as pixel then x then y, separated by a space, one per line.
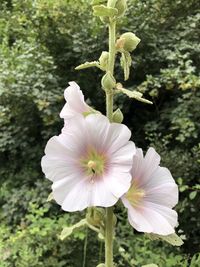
pixel 172 239
pixel 50 197
pixel 133 94
pixel 104 11
pixel 192 195
pixel 88 65
pixel 67 231
pixel 126 61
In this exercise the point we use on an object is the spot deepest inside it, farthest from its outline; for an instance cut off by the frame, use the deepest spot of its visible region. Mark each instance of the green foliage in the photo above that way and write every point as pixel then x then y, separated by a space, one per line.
pixel 41 43
pixel 35 242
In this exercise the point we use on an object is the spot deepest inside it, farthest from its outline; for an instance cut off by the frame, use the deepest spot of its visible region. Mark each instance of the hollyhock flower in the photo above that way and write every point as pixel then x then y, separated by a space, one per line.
pixel 75 103
pixel 152 195
pixel 89 163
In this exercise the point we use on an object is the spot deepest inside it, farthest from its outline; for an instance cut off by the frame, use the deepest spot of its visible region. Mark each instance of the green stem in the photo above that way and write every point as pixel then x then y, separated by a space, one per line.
pixel 109 225
pixel 109 106
pixel 85 248
pixel 109 231
pixel 112 50
pixel 111 64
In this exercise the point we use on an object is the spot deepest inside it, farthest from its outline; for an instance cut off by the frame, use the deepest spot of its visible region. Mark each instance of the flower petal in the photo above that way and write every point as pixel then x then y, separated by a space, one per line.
pixel 98 127
pixel 75 102
pixel 75 196
pixel 144 167
pixel 161 188
pixel 152 218
pixel 118 136
pixel 118 182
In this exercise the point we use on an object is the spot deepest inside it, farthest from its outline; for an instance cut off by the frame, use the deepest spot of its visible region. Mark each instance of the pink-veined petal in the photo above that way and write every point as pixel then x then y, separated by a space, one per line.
pixel 152 218
pixel 75 103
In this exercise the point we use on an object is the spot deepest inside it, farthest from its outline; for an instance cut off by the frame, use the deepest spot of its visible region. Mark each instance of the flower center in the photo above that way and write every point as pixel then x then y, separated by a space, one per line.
pixel 135 194
pixel 93 163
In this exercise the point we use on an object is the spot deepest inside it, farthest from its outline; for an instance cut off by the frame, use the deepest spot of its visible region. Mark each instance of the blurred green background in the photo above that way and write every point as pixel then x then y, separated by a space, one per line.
pixel 41 41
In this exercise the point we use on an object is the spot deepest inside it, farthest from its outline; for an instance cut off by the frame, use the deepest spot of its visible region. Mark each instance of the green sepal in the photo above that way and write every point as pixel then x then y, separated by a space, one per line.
pixel 67 231
pixel 50 197
pixel 121 6
pixel 172 239
pixel 118 116
pixel 131 41
pixel 91 111
pixel 104 11
pixel 88 65
pixel 103 60
pixel 95 216
pixel 126 62
pixel 132 94
pixel 108 81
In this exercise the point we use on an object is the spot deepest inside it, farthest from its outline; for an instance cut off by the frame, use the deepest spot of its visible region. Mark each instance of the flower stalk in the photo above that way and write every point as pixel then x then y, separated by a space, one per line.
pixel 109 225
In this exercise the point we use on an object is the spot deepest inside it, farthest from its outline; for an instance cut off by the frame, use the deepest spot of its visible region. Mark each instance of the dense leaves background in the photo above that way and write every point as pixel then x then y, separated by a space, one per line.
pixel 40 44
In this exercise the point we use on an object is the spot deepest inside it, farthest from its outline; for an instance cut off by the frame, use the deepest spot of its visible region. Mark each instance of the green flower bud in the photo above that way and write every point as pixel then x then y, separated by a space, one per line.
pixel 95 216
pixel 130 41
pixel 101 265
pixel 103 60
pixel 118 116
pixel 108 81
pixel 121 6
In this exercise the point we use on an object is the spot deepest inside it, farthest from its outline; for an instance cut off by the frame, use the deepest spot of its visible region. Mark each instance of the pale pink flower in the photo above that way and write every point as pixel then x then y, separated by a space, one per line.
pixel 152 195
pixel 89 163
pixel 75 103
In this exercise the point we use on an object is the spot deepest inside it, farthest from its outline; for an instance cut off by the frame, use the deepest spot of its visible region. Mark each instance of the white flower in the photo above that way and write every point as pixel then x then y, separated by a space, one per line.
pixel 89 163
pixel 152 195
pixel 75 103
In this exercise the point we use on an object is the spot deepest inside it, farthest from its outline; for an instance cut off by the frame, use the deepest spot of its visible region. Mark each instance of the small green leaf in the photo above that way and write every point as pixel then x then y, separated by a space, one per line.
pixel 88 65
pixel 133 94
pixel 192 195
pixel 172 239
pixel 104 11
pixel 50 197
pixel 67 231
pixel 126 61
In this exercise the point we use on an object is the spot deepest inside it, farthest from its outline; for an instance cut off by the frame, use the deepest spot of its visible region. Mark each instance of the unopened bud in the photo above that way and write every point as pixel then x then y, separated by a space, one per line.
pixel 130 41
pixel 103 60
pixel 118 116
pixel 120 43
pixel 121 6
pixel 108 81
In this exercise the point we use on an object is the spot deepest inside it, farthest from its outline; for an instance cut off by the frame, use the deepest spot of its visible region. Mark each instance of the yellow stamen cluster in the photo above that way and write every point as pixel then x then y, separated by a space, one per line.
pixel 135 195
pixel 93 162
